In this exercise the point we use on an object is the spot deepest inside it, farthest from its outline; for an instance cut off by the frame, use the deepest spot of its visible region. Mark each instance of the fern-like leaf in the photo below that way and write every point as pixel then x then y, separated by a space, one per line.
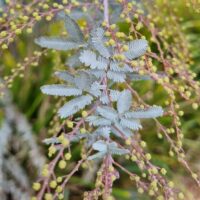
pixel 98 155
pixel 98 42
pixel 118 77
pixel 118 151
pixel 104 99
pixel 107 112
pixel 114 66
pixel 74 106
pixel 73 61
pixel 64 75
pixel 137 48
pixel 73 29
pixel 52 140
pixel 114 95
pixel 118 129
pixel 131 123
pixel 83 80
pixel 57 43
pixel 124 101
pixel 103 131
pixel 60 90
pixel 97 73
pixel 90 59
pixel 100 145
pixel 137 77
pixel 152 112
pixel 98 121
pixel 96 88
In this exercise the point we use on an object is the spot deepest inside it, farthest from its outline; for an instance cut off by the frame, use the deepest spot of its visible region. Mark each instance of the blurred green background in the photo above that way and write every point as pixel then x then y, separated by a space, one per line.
pixel 40 109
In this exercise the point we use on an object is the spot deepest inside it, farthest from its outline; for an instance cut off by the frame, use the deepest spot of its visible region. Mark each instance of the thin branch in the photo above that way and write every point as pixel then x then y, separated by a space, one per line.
pixel 106 11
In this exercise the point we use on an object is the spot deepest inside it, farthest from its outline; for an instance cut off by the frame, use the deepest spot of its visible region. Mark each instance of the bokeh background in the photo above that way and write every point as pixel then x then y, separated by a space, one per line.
pixel 27 116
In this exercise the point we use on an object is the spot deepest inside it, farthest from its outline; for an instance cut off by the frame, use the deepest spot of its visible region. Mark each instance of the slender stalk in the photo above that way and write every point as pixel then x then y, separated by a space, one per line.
pixel 106 11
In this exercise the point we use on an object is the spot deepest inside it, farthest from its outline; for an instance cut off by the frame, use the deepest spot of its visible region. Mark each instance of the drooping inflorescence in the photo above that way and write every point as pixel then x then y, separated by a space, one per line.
pixel 100 108
pixel 94 86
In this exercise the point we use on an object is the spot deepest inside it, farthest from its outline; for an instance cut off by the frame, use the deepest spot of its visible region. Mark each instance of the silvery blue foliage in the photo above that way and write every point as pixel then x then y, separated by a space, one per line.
pixel 73 30
pixel 124 101
pixel 73 61
pixel 87 86
pixel 75 40
pixel 90 59
pixel 75 105
pixel 76 85
pixel 117 119
pixel 97 38
pixel 60 90
pixel 98 121
pixel 136 77
pixel 57 43
pixel 104 148
pixel 137 48
pixel 152 112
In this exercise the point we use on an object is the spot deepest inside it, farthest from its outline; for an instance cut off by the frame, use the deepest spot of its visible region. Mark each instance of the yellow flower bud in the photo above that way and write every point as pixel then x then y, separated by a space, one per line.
pixel 111 169
pixel 181 195
pixel 143 144
pixel 151 192
pixel 133 158
pixel 104 23
pixel 45 171
pixel 3 33
pixel 59 179
pixel 60 196
pixel 180 113
pixel 59 189
pixel 128 20
pixel 163 171
pixel 4 46
pixel 83 130
pixel 48 18
pixel 113 26
pixel 125 47
pixel 68 156
pixel 62 164
pixel 171 184
pixel 148 156
pixel 154 170
pixel 113 177
pixel 36 186
pixel 53 184
pixel 84 113
pixel 18 31
pixel 140 190
pixel 48 196
pixel 128 141
pixel 195 176
pixel 111 42
pixel 107 33
pixel 38 18
pixel 70 124
pixel 52 149
pixel 195 106
pixel 65 142
pixel 29 30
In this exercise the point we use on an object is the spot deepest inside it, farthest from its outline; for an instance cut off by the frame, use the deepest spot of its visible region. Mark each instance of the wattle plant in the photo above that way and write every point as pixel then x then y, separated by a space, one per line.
pixel 104 119
pixel 119 54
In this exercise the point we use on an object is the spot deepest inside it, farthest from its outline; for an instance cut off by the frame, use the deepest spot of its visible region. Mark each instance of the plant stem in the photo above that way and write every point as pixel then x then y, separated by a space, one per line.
pixel 106 11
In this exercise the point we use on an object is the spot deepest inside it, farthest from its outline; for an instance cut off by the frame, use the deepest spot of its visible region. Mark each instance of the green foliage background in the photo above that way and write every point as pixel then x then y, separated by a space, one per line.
pixel 39 110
